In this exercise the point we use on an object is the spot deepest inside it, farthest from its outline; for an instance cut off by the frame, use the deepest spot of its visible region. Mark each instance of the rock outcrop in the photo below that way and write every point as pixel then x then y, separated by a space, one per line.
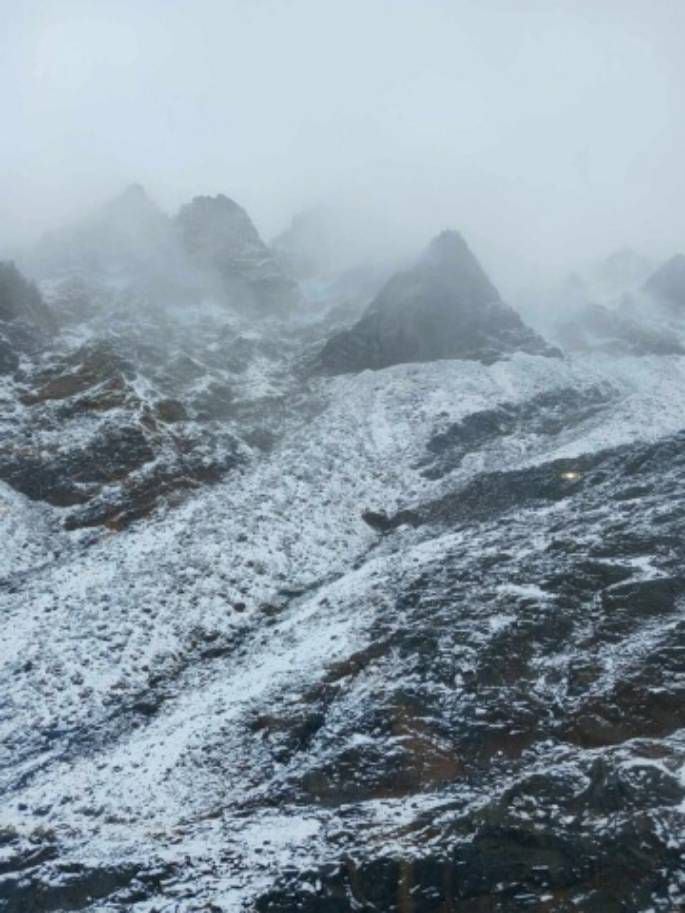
pixel 25 319
pixel 444 307
pixel 21 301
pixel 219 236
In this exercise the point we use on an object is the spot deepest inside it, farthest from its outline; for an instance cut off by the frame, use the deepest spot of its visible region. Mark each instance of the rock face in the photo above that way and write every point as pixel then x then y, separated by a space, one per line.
pixel 218 235
pixel 129 235
pixel 667 284
pixel 210 246
pixel 444 307
pixel 25 319
pixel 21 301
pixel 112 428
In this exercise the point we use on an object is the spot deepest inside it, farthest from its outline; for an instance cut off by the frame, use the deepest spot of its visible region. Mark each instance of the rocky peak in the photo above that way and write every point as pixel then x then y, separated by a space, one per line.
pixel 667 284
pixel 216 231
pixel 449 254
pixel 217 234
pixel 443 307
pixel 132 206
pixel 127 234
pixel 312 245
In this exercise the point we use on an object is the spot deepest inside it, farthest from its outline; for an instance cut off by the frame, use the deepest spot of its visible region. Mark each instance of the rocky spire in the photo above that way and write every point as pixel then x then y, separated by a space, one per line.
pixel 444 307
pixel 217 234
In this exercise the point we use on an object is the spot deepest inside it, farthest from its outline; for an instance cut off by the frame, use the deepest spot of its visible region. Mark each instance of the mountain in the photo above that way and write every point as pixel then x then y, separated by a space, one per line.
pixel 405 640
pixel 620 272
pixel 20 300
pixel 218 235
pixel 667 284
pixel 612 308
pixel 25 319
pixel 310 245
pixel 596 327
pixel 444 307
pixel 127 235
pixel 210 248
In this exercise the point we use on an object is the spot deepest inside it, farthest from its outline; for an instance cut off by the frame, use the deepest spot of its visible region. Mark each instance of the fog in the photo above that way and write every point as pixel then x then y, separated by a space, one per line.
pixel 547 132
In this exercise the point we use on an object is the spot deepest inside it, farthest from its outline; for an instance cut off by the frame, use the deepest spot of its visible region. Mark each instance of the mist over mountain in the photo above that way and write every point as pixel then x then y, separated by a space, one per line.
pixel 342 457
pixel 444 307
pixel 667 284
pixel 277 603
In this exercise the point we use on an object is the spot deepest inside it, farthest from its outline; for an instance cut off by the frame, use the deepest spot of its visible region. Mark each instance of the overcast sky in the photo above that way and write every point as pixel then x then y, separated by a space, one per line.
pixel 546 131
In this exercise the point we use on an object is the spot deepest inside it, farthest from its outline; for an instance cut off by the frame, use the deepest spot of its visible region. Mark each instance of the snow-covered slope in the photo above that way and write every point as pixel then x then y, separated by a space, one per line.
pixel 257 700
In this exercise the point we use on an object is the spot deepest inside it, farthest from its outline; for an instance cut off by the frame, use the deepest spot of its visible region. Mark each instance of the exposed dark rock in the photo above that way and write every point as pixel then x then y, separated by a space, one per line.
pixel 381 522
pixel 444 307
pixel 9 360
pixel 67 478
pixel 62 886
pixel 546 414
pixel 170 411
pixel 215 402
pixel 87 367
pixel 377 520
pixel 218 235
pixel 20 300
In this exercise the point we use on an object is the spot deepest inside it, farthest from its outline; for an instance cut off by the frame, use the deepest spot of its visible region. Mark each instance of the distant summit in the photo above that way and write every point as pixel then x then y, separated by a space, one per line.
pixel 667 284
pixel 125 235
pixel 218 235
pixel 621 271
pixel 314 244
pixel 211 245
pixel 444 307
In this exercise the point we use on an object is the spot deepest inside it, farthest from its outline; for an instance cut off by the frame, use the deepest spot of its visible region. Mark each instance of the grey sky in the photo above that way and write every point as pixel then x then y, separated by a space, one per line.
pixel 545 131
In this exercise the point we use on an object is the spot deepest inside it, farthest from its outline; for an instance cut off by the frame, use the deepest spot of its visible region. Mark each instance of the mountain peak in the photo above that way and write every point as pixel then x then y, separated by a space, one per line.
pixel 134 191
pixel 443 307
pixel 131 199
pixel 668 282
pixel 449 258
pixel 447 246
pixel 218 234
pixel 211 222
